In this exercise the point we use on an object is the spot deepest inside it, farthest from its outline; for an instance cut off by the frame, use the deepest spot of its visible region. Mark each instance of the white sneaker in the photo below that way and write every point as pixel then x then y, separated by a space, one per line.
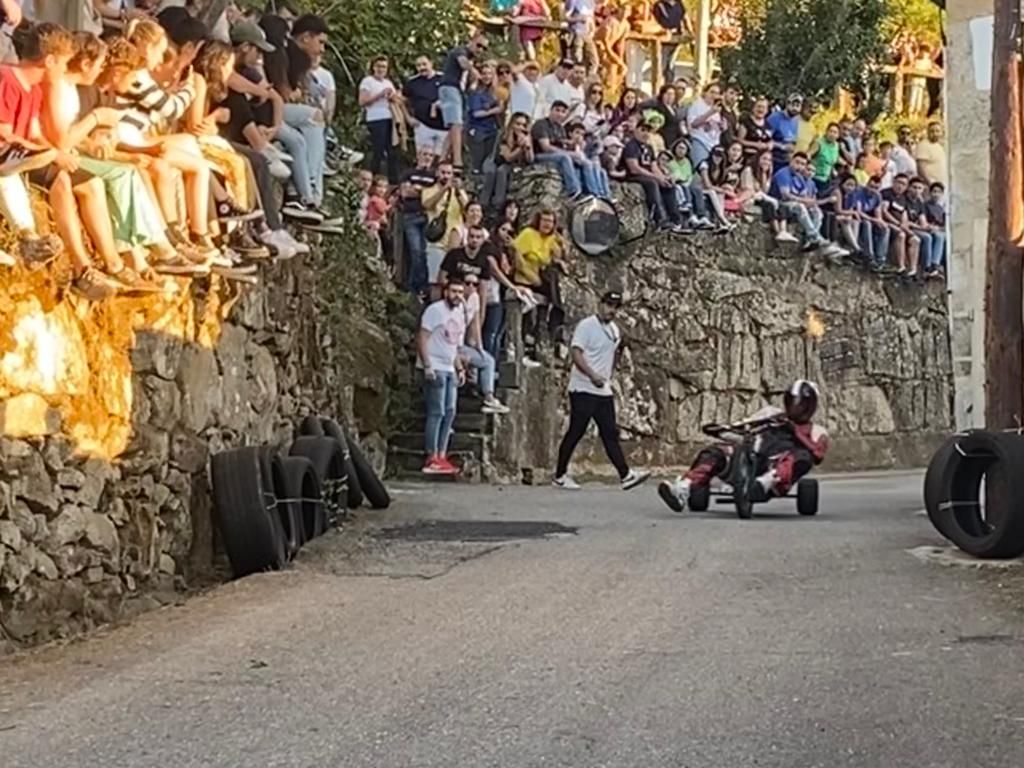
pixel 529 362
pixel 786 237
pixel 350 156
pixel 493 405
pixel 675 495
pixel 279 240
pixel 294 209
pixel 633 479
pixel 297 245
pixel 280 154
pixel 566 483
pixel 277 167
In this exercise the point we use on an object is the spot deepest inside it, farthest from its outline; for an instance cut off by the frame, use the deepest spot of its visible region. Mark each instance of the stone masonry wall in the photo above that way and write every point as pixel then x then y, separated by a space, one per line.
pixel 718 326
pixel 110 412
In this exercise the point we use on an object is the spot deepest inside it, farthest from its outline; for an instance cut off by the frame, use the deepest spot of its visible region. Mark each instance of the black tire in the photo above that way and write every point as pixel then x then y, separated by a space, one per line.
pixel 994 458
pixel 743 478
pixel 355 489
pixel 373 488
pixel 807 497
pixel 700 498
pixel 244 509
pixel 288 521
pixel 329 461
pixel 311 427
pixel 301 493
pixel 938 485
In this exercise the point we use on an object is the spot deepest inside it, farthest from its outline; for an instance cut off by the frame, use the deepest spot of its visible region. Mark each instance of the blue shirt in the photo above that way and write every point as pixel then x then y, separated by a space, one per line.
pixel 480 99
pixel 784 180
pixel 784 129
pixel 869 200
pixel 579 8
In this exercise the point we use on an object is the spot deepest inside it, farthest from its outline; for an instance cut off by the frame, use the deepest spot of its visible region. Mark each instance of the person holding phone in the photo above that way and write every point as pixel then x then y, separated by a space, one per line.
pixel 706 123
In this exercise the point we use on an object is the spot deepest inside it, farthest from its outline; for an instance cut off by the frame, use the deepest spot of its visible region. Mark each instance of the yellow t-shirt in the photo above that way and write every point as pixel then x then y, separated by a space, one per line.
pixel 805 135
pixel 534 252
pixel 455 210
pixel 861 176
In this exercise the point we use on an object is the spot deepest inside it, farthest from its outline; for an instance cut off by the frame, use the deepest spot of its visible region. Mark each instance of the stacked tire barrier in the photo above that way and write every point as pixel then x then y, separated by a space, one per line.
pixel 974 493
pixel 268 504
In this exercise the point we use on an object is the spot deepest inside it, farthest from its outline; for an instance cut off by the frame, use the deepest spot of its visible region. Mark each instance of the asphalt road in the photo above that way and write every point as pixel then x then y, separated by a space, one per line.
pixel 645 640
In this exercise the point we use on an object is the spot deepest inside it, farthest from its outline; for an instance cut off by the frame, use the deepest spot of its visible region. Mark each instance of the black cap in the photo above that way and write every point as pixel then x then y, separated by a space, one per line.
pixel 567 64
pixel 612 298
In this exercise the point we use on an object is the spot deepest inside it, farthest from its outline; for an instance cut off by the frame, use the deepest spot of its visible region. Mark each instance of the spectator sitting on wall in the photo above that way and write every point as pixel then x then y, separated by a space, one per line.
pixel 935 210
pixel 638 160
pixel 688 187
pixel 904 242
pixel 539 250
pixel 472 347
pixel 595 180
pixel 799 202
pixel 550 143
pixel 917 215
pixel 514 151
pixel 875 231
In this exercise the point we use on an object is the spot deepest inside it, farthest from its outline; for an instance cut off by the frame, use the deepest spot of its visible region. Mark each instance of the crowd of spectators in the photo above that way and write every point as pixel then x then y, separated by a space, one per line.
pixel 161 145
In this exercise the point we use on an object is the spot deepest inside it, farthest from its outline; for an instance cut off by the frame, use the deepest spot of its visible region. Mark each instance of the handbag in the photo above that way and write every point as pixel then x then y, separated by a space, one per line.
pixel 437 227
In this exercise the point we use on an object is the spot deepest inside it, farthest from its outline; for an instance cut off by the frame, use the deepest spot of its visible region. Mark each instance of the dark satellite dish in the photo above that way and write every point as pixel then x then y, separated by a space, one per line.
pixel 594 226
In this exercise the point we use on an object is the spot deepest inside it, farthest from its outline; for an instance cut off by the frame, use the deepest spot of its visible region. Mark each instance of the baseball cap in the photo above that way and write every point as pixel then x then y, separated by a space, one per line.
pixel 612 298
pixel 793 98
pixel 248 32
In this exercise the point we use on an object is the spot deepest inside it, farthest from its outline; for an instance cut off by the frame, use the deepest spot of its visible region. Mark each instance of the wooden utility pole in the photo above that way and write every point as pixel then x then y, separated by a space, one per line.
pixel 1004 269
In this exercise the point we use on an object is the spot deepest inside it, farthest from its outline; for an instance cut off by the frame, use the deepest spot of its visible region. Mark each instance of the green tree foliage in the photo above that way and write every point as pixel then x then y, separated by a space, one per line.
pixel 809 46
pixel 921 18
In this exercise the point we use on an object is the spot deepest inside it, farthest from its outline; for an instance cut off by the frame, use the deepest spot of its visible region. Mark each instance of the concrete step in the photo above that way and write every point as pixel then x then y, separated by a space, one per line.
pixel 481 423
pixel 472 443
pixel 406 464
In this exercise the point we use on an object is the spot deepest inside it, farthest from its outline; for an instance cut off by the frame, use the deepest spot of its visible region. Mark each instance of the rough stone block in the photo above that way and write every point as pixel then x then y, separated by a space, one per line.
pixel 156 352
pixel 69 526
pixel 200 383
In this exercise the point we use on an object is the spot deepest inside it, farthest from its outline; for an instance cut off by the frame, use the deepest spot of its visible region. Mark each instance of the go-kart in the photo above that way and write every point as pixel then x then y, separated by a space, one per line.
pixel 746 464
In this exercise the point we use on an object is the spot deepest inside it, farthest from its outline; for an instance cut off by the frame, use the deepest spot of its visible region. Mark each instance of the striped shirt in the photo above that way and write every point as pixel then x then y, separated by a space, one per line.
pixel 148 107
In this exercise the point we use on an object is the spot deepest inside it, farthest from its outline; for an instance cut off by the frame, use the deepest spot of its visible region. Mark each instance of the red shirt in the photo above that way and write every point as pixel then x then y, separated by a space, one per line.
pixel 19 108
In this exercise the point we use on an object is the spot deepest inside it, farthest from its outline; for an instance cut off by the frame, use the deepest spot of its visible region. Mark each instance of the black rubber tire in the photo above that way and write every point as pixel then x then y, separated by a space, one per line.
pixel 807 497
pixel 301 489
pixel 310 427
pixel 995 458
pixel 700 498
pixel 244 505
pixel 288 520
pixel 937 485
pixel 355 489
pixel 373 488
pixel 329 461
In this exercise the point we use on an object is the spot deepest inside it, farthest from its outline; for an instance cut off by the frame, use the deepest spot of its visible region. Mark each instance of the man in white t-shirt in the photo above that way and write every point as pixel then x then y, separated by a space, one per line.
pixel 705 122
pixel 523 93
pixel 595 351
pixel 557 86
pixel 442 330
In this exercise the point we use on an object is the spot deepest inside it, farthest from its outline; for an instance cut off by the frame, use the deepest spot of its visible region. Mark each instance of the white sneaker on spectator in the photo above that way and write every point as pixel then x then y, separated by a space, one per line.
pixel 325 228
pixel 786 237
pixel 293 209
pixel 633 479
pixel 280 154
pixel 349 156
pixel 529 362
pixel 297 245
pixel 566 483
pixel 493 405
pixel 280 241
pixel 277 168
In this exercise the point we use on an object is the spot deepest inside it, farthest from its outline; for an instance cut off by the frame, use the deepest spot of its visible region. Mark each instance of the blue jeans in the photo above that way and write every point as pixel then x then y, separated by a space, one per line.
pixel 938 254
pixel 566 167
pixel 698 153
pixel 807 217
pixel 305 138
pixel 874 241
pixel 595 178
pixel 925 249
pixel 441 396
pixel 483 362
pixel 494 325
pixel 415 228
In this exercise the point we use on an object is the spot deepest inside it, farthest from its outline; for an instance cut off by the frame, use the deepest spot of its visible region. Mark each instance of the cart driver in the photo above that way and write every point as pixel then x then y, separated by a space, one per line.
pixel 787 450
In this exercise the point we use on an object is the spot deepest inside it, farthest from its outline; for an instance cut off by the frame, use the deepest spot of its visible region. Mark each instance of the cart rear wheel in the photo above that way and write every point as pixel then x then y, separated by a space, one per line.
pixel 700 498
pixel 807 497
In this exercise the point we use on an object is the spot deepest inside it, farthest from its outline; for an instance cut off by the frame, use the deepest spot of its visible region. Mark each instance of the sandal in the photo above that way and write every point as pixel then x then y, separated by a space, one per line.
pixel 178 265
pixel 132 282
pixel 93 285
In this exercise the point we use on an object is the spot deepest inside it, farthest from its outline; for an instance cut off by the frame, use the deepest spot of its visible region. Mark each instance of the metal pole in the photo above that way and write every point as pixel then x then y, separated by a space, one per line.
pixel 703 35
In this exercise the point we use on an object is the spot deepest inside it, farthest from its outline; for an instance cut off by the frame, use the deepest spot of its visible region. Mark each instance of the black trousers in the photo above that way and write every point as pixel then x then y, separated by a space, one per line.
pixel 383 151
pixel 661 200
pixel 582 408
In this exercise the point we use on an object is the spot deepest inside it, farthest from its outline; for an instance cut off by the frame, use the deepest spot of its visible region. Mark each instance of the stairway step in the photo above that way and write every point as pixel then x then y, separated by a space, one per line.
pixel 407 464
pixel 481 423
pixel 472 443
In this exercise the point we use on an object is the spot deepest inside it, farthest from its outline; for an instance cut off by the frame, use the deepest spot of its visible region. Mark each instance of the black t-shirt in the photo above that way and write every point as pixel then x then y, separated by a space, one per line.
pixel 936 213
pixel 550 130
pixel 459 262
pixel 451 72
pixel 754 132
pixel 421 179
pixel 729 132
pixel 670 14
pixel 241 116
pixel 421 93
pixel 896 204
pixel 915 209
pixel 670 130
pixel 640 151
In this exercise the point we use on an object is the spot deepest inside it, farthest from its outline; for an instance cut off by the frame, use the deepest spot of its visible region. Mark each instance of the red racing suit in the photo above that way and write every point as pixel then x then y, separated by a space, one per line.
pixel 787 450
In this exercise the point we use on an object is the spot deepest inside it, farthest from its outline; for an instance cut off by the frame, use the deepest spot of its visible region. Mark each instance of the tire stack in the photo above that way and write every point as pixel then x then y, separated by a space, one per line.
pixel 974 493
pixel 268 504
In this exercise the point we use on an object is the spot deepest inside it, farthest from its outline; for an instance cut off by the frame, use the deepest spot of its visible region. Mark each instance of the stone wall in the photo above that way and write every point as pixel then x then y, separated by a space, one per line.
pixel 719 326
pixel 111 411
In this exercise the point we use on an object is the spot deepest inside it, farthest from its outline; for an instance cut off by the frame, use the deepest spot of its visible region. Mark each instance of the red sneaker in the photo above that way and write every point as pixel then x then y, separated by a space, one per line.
pixel 445 467
pixel 433 466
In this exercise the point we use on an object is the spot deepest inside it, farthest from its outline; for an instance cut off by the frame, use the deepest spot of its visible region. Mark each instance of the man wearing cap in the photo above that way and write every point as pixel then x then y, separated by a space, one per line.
pixel 785 127
pixel 595 351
